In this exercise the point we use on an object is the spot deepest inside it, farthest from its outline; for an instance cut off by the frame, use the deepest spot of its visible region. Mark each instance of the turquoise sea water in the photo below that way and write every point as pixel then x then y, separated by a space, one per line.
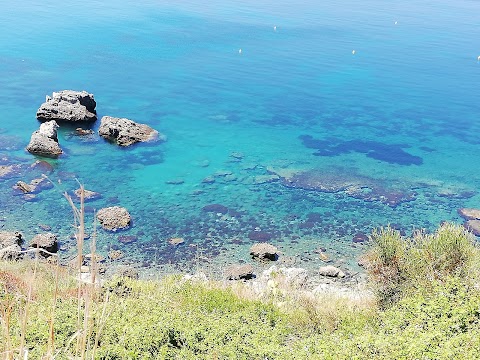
pixel 368 111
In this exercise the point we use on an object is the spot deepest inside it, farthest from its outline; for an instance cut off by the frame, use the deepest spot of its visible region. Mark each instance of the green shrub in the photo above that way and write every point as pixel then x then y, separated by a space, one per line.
pixel 398 265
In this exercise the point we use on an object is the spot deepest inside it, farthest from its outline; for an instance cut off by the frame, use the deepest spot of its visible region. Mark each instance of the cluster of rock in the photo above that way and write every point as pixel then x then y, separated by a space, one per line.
pixel 11 245
pixel 265 252
pixel 69 106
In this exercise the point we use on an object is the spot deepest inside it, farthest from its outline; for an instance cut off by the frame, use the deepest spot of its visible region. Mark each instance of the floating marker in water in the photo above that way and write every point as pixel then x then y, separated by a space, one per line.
pixel 396 22
pixel 353 52
pixel 478 58
pixel 239 51
pixel 275 28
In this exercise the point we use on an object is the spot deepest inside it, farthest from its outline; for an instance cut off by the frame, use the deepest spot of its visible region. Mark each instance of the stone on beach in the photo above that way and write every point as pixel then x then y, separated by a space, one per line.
pixel 331 271
pixel 68 105
pixel 126 132
pixel 239 272
pixel 44 142
pixel 114 218
pixel 264 251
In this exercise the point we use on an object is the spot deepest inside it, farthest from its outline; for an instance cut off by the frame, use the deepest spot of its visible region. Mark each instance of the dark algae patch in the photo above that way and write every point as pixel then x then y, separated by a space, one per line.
pixel 390 153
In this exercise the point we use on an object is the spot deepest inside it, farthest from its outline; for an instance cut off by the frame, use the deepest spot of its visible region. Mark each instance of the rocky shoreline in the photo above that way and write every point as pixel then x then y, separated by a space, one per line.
pixel 79 108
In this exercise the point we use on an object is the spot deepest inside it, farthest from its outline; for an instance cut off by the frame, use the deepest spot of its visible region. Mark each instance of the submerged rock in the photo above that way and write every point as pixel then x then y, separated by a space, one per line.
pixel 47 241
pixel 88 195
pixel 35 186
pixel 126 132
pixel 68 105
pixel 469 214
pixel 24 187
pixel 84 132
pixel 176 241
pixel 115 254
pixel 114 218
pixel 6 170
pixel 264 251
pixel 42 166
pixel 44 142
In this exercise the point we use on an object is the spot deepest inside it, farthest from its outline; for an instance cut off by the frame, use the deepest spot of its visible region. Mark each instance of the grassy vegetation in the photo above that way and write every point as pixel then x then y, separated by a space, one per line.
pixel 427 307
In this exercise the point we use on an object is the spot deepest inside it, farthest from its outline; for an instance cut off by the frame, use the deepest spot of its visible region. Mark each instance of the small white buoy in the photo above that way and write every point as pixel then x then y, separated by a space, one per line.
pixel 353 52
pixel 275 28
pixel 396 22
pixel 23 60
pixel 478 58
pixel 239 51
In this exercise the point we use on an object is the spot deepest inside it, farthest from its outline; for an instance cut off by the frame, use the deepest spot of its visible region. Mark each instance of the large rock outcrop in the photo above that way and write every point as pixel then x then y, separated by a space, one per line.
pixel 10 245
pixel 126 132
pixel 68 105
pixel 44 142
pixel 114 218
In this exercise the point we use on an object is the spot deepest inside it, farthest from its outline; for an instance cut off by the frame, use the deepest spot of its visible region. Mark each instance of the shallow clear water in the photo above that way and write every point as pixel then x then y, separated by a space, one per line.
pixel 373 106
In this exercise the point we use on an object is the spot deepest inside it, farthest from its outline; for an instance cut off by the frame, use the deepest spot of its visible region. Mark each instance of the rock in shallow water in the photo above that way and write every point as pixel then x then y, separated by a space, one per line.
pixel 469 214
pixel 264 251
pixel 68 105
pixel 114 218
pixel 126 132
pixel 44 142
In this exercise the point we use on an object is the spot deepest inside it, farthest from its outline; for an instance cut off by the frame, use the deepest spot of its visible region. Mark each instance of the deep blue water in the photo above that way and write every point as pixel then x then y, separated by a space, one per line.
pixel 368 112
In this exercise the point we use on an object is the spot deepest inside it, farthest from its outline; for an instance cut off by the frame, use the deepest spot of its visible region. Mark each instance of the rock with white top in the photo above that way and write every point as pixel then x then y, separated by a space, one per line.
pixel 68 106
pixel 44 142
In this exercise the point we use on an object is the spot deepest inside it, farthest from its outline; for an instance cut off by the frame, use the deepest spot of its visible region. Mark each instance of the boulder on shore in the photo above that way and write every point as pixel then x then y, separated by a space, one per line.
pixel 10 242
pixel 46 241
pixel 264 251
pixel 126 132
pixel 114 218
pixel 239 272
pixel 44 142
pixel 68 105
